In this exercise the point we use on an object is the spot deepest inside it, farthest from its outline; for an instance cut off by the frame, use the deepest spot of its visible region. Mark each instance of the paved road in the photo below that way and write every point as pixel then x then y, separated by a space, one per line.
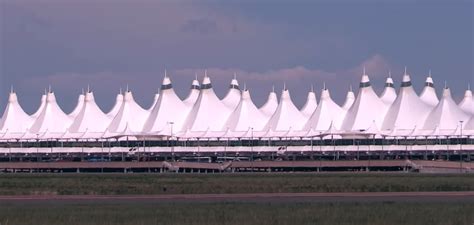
pixel 250 197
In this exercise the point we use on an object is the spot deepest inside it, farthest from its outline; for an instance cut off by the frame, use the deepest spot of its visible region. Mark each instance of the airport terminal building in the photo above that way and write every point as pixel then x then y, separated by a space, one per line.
pixel 394 121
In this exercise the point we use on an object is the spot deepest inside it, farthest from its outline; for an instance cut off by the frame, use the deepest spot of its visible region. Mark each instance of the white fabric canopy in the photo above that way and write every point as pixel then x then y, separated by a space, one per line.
pixel 14 119
pixel 169 112
pixel 246 116
pixel 308 108
pixel 467 103
pixel 327 113
pixel 388 95
pixel 209 113
pixel 90 118
pixel 52 118
pixel 428 95
pixel 446 115
pixel 130 115
pixel 362 113
pixel 408 110
pixel 270 105
pixel 286 116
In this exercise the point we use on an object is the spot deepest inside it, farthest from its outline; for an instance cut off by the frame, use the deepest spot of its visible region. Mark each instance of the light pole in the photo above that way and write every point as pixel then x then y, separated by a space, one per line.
pixel 460 148
pixel 171 137
pixel 251 148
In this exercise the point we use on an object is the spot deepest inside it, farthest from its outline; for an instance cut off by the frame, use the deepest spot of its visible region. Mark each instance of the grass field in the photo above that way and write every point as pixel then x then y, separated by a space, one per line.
pixel 117 184
pixel 383 213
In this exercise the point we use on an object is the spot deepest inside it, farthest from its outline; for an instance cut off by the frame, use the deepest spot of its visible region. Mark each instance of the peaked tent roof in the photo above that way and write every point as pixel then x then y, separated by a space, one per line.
pixel 446 115
pixel 193 94
pixel 90 118
pixel 209 113
pixel 428 95
pixel 350 98
pixel 470 124
pixel 168 113
pixel 40 108
pixel 361 114
pixel 78 108
pixel 327 113
pixel 388 95
pixel 407 104
pixel 310 105
pixel 232 98
pixel 52 119
pixel 155 100
pixel 130 116
pixel 270 105
pixel 286 116
pixel 246 116
pixel 118 103
pixel 14 119
pixel 467 103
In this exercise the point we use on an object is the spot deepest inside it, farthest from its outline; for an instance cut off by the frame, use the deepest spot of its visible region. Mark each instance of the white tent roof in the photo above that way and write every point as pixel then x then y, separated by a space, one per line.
pixel 90 118
pixel 246 115
pixel 271 105
pixel 310 105
pixel 428 95
pixel 361 114
pixel 286 115
pixel 155 100
pixel 40 108
pixel 118 103
pixel 193 94
pixel 232 99
pixel 408 110
pixel 327 113
pixel 209 113
pixel 168 113
pixel 446 115
pixel 52 118
pixel 14 119
pixel 467 103
pixel 350 98
pixel 470 124
pixel 130 115
pixel 77 109
pixel 388 95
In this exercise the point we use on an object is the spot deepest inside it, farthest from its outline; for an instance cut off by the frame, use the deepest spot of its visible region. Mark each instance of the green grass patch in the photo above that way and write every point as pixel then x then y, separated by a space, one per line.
pixel 383 213
pixel 118 184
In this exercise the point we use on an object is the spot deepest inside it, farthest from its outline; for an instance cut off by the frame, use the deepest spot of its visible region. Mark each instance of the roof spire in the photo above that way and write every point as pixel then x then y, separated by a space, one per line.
pixel 205 72
pixel 88 88
pixel 166 75
pixel 429 73
pixel 350 87
pixel 11 89
pixel 324 83
pixel 195 76
pixel 389 73
pixel 273 88
pixel 468 86
pixel 312 88
pixel 284 86
pixel 127 88
pixel 245 86
pixel 49 88
pixel 235 76
pixel 405 70
pixel 445 84
pixel 364 71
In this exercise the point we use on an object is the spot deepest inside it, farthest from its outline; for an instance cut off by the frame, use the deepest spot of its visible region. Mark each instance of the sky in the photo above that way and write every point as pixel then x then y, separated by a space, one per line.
pixel 108 45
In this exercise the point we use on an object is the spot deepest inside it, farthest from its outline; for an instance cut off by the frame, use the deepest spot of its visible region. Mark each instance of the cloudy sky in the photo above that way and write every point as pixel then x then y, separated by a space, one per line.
pixel 109 44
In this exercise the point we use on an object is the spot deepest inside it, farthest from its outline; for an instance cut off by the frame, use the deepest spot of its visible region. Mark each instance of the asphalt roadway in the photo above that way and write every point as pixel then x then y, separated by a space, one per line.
pixel 456 197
